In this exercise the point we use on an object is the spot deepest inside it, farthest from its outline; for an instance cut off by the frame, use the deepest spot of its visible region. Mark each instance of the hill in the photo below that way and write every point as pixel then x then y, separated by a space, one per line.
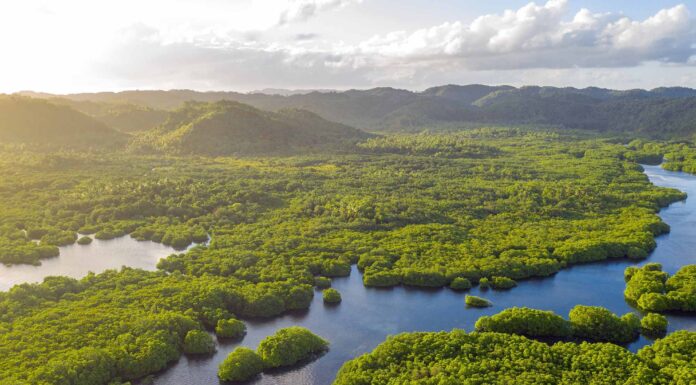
pixel 38 122
pixel 231 128
pixel 661 112
pixel 124 117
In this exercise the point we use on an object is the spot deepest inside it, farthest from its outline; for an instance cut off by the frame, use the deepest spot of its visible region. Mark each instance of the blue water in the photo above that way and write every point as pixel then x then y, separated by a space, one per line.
pixel 367 316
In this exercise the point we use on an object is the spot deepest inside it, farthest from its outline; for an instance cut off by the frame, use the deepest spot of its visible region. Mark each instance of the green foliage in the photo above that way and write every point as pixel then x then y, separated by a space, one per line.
pixel 474 301
pixel 84 240
pixel 492 358
pixel 322 282
pixel 525 321
pixel 484 283
pixel 48 126
pixel 240 365
pixel 539 203
pixel 460 283
pixel 650 289
pixel 654 325
pixel 198 342
pixel 289 346
pixel 230 328
pixel 503 283
pixel 231 128
pixel 331 296
pixel 599 324
pixel 675 356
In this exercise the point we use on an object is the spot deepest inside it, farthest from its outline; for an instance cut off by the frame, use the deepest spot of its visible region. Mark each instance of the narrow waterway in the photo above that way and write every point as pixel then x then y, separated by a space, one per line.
pixel 367 316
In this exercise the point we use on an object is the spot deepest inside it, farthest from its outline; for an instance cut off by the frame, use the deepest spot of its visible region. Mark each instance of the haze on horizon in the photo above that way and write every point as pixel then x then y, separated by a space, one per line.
pixel 84 46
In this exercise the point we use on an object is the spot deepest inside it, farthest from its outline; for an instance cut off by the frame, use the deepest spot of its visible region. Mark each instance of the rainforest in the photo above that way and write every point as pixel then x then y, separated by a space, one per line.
pixel 489 206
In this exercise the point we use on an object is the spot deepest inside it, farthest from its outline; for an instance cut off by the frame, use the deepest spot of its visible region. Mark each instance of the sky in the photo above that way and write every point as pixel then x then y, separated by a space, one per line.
pixel 68 46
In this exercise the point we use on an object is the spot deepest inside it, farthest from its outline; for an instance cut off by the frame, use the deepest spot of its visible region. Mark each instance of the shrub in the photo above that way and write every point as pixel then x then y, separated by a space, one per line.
pixel 503 283
pixel 654 325
pixel 84 240
pixel 335 268
pixel 332 296
pixel 381 278
pixel 240 365
pixel 230 328
pixel 596 323
pixel 650 289
pixel 322 282
pixel 484 283
pixel 198 342
pixel 460 283
pixel 474 301
pixel 414 277
pixel 290 345
pixel 525 321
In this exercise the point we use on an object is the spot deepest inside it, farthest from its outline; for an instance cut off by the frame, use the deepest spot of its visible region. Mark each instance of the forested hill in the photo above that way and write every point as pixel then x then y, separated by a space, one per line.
pixel 661 112
pixel 38 122
pixel 231 128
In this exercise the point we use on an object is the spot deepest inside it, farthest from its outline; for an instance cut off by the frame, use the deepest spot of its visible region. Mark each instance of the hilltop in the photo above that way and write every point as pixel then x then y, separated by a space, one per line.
pixel 39 122
pixel 232 128
pixel 661 112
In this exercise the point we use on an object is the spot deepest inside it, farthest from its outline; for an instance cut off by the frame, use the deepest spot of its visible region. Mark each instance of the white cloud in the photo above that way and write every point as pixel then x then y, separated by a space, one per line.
pixel 251 44
pixel 301 10
pixel 539 36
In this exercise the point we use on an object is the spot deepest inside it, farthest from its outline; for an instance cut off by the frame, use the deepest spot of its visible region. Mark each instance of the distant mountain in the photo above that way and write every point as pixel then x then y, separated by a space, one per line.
pixel 463 94
pixel 125 117
pixel 666 111
pixel 38 122
pixel 232 128
pixel 287 92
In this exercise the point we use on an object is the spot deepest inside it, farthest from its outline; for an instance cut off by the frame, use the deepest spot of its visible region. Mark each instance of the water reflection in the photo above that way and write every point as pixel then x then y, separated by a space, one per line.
pixel 367 316
pixel 77 260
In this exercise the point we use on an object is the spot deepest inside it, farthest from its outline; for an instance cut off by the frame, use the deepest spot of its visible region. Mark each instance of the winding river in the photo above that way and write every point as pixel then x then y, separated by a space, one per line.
pixel 367 315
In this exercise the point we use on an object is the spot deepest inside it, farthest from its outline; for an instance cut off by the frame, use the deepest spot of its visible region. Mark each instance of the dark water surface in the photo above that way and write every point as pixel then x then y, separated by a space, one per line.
pixel 367 316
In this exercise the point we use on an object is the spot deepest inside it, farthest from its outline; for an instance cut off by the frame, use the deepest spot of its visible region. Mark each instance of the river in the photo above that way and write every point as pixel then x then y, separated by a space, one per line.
pixel 367 315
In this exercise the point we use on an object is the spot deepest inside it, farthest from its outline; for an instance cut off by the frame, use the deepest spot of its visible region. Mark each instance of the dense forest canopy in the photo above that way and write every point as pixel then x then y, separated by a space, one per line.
pixel 493 358
pixel 480 205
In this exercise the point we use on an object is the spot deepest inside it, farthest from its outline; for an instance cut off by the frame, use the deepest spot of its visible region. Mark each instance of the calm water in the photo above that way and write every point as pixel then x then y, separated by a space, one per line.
pixel 367 316
pixel 77 260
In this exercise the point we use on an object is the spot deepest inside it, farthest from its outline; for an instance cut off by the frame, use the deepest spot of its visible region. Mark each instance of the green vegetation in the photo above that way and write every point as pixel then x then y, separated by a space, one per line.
pixel 322 282
pixel 590 323
pixel 230 328
pixel 231 128
pixel 526 204
pixel 84 240
pixel 527 322
pixel 460 283
pixel 596 323
pixel 52 127
pixel 240 365
pixel 484 283
pixel 503 283
pixel 289 346
pixel 654 325
pixel 493 358
pixel 198 342
pixel 662 112
pixel 331 296
pixel 651 289
pixel 474 301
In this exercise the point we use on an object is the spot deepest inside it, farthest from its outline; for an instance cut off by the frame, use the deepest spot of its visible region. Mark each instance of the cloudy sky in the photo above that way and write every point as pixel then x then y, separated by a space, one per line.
pixel 66 46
